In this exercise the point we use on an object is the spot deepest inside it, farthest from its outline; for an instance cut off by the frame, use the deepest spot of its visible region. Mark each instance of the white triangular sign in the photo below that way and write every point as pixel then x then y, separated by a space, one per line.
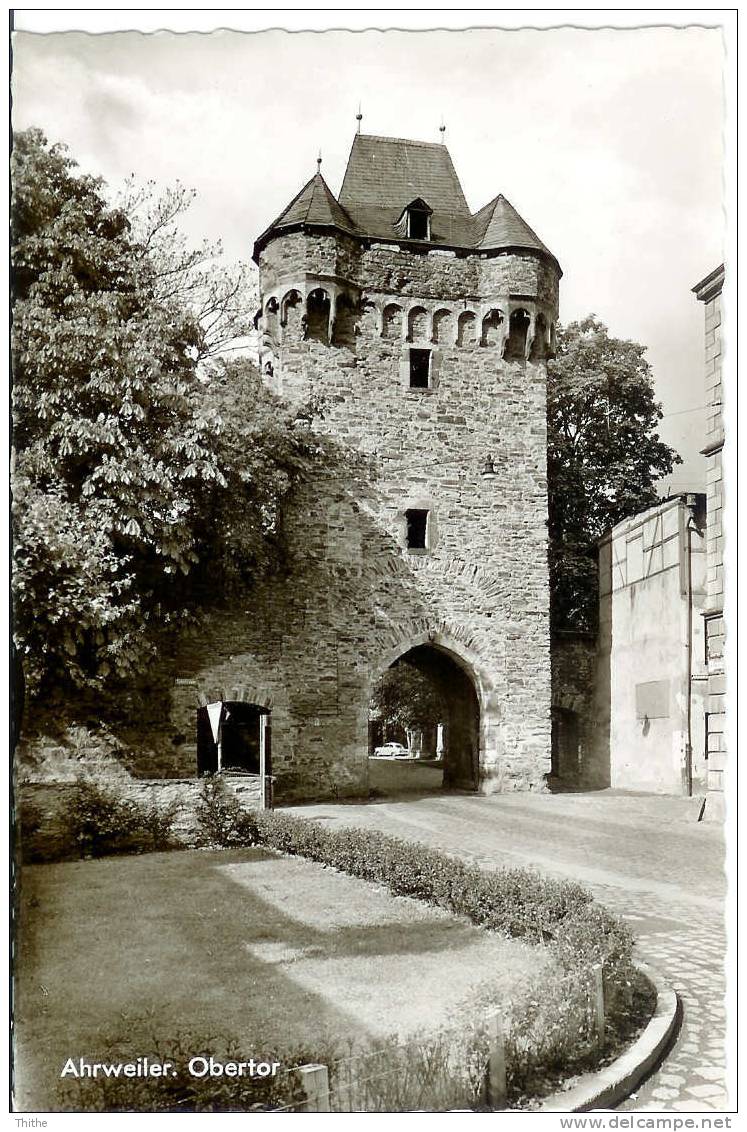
pixel 214 712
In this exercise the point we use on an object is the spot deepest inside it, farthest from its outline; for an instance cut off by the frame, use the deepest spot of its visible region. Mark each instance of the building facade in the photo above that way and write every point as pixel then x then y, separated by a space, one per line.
pixel 708 291
pixel 423 330
pixel 650 693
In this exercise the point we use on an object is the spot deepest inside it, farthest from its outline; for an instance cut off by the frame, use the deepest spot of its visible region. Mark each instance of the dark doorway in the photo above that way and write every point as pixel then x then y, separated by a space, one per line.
pixel 447 729
pixel 564 751
pixel 243 730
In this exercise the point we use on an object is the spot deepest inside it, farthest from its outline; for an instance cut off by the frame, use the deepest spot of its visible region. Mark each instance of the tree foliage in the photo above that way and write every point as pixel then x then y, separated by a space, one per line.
pixel 221 298
pixel 406 697
pixel 604 457
pixel 138 472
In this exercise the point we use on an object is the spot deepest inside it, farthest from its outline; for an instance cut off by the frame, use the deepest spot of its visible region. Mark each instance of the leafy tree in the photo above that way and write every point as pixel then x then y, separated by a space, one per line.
pixel 138 473
pixel 406 698
pixel 604 457
pixel 219 297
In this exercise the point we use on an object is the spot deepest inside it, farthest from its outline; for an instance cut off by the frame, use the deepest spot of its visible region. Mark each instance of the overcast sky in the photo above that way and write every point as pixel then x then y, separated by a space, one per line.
pixel 608 142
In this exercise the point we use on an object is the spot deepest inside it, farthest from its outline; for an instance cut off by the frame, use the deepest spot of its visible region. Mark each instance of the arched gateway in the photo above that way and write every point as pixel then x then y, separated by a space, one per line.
pixel 445 713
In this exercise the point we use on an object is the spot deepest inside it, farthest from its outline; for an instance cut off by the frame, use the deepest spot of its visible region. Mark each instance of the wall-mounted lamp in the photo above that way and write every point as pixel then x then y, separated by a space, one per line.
pixel 488 470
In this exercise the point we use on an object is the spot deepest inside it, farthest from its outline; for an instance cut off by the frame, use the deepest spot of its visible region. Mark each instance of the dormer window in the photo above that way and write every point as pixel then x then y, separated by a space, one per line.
pixel 418 224
pixel 415 220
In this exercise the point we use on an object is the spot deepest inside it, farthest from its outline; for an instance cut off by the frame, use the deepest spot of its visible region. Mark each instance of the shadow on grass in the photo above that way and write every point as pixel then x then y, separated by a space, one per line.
pixel 154 945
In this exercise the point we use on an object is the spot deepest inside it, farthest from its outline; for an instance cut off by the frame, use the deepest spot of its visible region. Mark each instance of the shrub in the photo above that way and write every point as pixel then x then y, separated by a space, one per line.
pixel 32 835
pixel 156 823
pixel 222 822
pixel 100 822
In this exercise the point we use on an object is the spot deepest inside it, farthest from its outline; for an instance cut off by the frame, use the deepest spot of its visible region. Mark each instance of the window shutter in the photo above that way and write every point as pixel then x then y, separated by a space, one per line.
pixel 207 748
pixel 435 368
pixel 404 367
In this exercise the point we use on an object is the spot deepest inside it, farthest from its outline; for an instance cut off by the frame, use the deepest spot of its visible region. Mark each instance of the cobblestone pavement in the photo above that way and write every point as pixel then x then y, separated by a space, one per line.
pixel 643 856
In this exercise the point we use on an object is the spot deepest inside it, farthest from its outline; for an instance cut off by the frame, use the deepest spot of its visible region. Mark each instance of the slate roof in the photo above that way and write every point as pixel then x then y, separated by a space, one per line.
pixel 393 171
pixel 315 205
pixel 498 225
pixel 383 176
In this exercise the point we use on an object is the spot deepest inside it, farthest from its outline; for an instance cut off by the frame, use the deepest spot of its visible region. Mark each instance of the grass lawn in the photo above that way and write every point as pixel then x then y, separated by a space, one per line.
pixel 237 944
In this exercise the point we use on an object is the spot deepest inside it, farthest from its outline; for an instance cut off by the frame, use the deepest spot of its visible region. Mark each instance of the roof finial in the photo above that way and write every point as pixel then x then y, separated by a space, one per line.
pixel 359 117
pixel 442 130
pixel 319 162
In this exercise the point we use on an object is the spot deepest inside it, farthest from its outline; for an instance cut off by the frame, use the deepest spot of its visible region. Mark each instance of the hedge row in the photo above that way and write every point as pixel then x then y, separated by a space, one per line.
pixel 516 901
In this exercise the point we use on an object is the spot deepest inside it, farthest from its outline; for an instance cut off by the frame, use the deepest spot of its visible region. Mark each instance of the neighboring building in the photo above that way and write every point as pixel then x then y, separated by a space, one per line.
pixel 426 330
pixel 651 675
pixel 643 707
pixel 708 291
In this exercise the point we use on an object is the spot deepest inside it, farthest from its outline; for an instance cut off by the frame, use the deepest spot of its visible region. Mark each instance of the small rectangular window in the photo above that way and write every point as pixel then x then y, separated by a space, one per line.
pixel 420 369
pixel 417 529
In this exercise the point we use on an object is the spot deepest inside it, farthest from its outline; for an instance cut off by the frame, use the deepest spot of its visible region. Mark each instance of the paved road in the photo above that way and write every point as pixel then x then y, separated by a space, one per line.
pixel 643 856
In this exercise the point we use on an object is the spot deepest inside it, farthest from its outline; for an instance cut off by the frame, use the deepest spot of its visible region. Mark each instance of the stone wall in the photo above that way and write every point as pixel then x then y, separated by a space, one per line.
pixel 576 740
pixel 133 738
pixel 351 597
pixel 49 803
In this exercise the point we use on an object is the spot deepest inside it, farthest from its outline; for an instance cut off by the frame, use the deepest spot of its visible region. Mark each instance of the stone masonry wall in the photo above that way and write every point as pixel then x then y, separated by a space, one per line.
pixel 42 809
pixel 574 667
pixel 309 642
pixel 352 597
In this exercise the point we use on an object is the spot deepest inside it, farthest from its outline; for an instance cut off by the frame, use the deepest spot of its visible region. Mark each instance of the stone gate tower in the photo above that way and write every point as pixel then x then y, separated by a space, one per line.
pixel 425 329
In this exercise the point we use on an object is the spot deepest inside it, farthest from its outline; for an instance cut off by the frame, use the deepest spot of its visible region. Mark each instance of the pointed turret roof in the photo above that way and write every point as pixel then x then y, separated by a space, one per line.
pixel 498 225
pixel 315 205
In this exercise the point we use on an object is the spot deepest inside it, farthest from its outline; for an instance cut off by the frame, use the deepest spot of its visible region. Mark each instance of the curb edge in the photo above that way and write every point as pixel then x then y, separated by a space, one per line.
pixel 605 1088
